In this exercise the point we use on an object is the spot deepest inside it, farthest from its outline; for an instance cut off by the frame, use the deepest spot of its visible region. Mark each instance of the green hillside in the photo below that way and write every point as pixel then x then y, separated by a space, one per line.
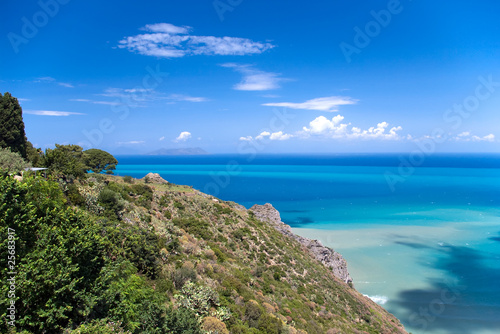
pixel 106 254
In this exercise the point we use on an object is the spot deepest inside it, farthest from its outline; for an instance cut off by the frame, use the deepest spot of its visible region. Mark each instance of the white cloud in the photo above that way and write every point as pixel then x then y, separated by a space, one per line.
pixel 186 98
pixel 271 136
pixel 254 79
pixel 378 132
pixel 329 104
pixel 45 79
pixel 132 97
pixel 321 125
pixel 263 135
pixel 23 100
pixel 280 136
pixel 490 137
pixel 161 138
pixel 169 41
pixel 184 135
pixel 51 113
pixel 467 136
pixel 167 28
pixel 53 80
pixel 335 129
pixel 65 84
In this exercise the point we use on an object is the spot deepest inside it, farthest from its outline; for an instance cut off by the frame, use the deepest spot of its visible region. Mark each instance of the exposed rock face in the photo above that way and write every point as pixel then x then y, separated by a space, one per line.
pixel 325 255
pixel 155 178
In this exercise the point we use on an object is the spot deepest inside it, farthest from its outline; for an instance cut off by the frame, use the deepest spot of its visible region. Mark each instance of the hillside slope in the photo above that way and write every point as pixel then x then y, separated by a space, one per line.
pixel 251 261
pixel 107 254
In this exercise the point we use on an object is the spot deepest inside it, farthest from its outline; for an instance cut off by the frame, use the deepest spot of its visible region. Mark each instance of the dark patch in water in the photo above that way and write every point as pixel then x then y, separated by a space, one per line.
pixel 295 211
pixel 466 304
pixel 299 222
pixel 412 244
pixel 495 239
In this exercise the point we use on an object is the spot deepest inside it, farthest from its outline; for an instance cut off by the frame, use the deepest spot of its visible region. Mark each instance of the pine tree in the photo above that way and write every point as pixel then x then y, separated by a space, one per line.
pixel 12 133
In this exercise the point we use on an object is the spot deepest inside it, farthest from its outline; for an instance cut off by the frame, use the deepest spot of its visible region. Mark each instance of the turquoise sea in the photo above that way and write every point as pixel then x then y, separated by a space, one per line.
pixel 421 237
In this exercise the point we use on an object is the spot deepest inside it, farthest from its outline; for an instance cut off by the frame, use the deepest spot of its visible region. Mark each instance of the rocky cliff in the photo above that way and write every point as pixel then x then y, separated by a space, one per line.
pixel 325 255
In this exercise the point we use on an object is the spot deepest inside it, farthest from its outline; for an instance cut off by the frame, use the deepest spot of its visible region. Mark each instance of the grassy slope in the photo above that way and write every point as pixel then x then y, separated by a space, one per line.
pixel 248 262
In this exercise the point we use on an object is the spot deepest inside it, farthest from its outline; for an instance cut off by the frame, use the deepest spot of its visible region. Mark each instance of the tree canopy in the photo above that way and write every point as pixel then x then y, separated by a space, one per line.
pixel 12 162
pixel 98 160
pixel 12 133
pixel 66 160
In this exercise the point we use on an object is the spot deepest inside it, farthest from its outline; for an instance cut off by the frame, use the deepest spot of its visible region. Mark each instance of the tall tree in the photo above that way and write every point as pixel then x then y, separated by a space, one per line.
pixel 65 160
pixel 99 160
pixel 12 133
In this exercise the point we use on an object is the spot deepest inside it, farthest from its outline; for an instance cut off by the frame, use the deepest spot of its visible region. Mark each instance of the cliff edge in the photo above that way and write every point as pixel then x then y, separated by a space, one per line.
pixel 330 258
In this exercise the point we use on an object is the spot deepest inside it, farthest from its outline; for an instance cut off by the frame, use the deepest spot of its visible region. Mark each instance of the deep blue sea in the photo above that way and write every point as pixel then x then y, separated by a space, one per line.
pixel 421 236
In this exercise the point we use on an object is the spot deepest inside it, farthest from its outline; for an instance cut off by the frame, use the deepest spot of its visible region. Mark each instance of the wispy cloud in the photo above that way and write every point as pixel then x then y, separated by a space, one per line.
pixel 132 97
pixel 186 98
pixel 109 103
pixel 54 81
pixel 169 41
pixel 65 84
pixel 254 79
pixel 161 138
pixel 329 104
pixel 45 79
pixel 51 113
pixel 183 136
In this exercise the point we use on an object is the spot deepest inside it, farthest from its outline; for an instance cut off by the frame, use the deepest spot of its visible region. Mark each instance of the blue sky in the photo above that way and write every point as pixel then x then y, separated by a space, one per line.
pixel 239 76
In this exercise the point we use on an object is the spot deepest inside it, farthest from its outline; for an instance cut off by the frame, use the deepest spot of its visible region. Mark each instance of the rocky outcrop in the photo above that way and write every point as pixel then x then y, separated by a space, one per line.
pixel 330 258
pixel 154 178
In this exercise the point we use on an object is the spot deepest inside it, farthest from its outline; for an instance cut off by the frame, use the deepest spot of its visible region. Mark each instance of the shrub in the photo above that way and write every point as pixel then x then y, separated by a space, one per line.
pixel 202 300
pixel 221 257
pixel 128 179
pixel 198 228
pixel 140 246
pixel 269 324
pixel 182 275
pixel 181 321
pixel 111 202
pixel 12 162
pixel 173 245
pixel 146 195
pixel 253 313
pixel 74 195
pixel 214 325
pixel 101 326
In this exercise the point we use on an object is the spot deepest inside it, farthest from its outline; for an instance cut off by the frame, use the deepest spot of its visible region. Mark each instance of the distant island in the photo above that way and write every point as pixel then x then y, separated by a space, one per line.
pixel 179 151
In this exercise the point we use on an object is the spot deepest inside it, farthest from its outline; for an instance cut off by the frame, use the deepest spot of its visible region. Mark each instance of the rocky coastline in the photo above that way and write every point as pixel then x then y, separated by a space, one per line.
pixel 330 258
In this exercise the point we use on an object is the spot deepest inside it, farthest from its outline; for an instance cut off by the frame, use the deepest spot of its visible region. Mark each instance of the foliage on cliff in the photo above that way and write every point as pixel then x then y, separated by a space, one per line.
pixel 107 254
